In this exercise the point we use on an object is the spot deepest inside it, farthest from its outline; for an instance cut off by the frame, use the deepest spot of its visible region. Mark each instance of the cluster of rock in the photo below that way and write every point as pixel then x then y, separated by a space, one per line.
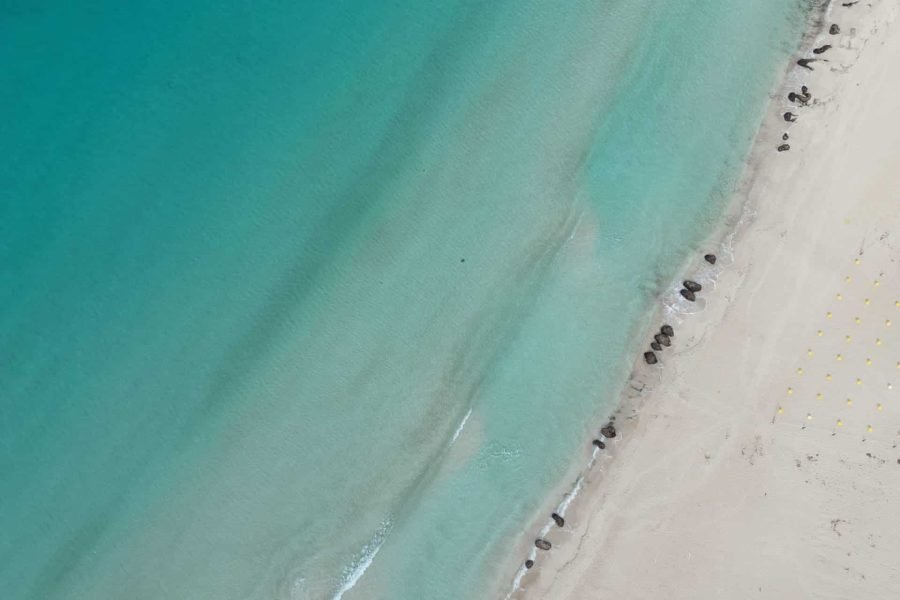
pixel 803 98
pixel 608 431
pixel 662 339
pixel 690 289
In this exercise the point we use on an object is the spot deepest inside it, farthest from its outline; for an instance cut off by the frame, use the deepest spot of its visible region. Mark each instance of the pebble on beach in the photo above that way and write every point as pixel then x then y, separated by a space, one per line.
pixel 784 147
pixel 662 339
pixel 687 294
pixel 542 544
pixel 692 285
pixel 834 30
pixel 609 431
pixel 711 259
pixel 599 444
pixel 529 563
pixel 667 329
pixel 785 137
pixel 822 49
pixel 656 347
pixel 558 520
pixel 650 357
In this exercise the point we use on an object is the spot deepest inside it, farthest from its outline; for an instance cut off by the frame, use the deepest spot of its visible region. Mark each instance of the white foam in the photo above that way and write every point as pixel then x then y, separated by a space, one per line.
pixel 561 511
pixel 355 570
pixel 460 427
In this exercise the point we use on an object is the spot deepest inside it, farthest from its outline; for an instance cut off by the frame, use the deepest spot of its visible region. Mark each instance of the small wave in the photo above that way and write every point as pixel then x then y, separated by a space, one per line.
pixel 355 570
pixel 560 510
pixel 564 505
pixel 460 428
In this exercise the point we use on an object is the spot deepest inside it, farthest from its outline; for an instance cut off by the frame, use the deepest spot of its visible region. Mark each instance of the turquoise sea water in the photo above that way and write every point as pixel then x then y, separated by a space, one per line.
pixel 260 260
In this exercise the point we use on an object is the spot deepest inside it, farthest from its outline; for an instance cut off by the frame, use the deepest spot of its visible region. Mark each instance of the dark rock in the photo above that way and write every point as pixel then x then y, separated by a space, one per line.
pixel 542 544
pixel 804 90
pixel 667 329
pixel 650 357
pixel 656 346
pixel 599 444
pixel 692 285
pixel 529 563
pixel 784 147
pixel 803 99
pixel 711 259
pixel 687 294
pixel 785 137
pixel 834 29
pixel 792 97
pixel 662 339
pixel 849 4
pixel 790 117
pixel 822 49
pixel 609 431
pixel 804 62
pixel 558 520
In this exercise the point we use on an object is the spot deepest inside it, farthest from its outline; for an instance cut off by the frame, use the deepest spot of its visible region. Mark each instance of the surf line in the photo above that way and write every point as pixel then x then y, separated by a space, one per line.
pixel 661 341
pixel 356 569
pixel 459 429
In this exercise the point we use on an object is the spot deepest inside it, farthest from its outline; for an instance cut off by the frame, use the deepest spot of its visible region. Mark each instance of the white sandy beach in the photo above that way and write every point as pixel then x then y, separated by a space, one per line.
pixel 762 458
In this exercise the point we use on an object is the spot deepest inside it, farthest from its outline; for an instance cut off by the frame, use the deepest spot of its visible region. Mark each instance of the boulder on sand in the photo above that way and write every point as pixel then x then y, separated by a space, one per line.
pixel 711 259
pixel 656 346
pixel 650 357
pixel 599 444
pixel 834 29
pixel 542 544
pixel 558 520
pixel 529 563
pixel 804 62
pixel 692 285
pixel 609 431
pixel 687 294
pixel 662 339
pixel 822 49
pixel 667 329
pixel 784 147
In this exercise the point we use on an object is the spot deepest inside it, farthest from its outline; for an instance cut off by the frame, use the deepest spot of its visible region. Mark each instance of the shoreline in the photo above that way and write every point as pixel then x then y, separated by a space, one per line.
pixel 740 219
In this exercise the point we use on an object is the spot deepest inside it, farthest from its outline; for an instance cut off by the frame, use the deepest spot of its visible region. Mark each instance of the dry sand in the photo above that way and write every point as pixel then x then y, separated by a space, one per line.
pixel 762 458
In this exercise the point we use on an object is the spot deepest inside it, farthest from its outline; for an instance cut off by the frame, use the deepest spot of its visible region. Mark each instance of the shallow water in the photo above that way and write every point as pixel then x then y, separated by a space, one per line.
pixel 306 300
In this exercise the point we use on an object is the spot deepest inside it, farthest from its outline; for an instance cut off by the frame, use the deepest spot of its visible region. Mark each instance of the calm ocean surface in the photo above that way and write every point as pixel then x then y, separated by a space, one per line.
pixel 309 299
